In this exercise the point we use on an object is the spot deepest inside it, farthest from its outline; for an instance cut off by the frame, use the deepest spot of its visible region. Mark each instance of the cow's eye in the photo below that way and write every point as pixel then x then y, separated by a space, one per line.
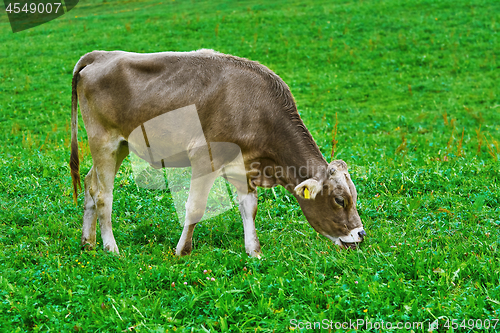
pixel 339 201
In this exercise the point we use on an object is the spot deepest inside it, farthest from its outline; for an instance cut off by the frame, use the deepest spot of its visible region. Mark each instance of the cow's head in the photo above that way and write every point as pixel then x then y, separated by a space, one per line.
pixel 329 204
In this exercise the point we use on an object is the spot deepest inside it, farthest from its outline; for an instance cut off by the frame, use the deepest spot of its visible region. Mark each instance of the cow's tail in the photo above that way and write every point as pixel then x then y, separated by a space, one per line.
pixel 74 162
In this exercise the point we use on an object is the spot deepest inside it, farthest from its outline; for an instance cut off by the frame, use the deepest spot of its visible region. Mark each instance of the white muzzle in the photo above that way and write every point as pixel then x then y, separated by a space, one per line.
pixel 353 237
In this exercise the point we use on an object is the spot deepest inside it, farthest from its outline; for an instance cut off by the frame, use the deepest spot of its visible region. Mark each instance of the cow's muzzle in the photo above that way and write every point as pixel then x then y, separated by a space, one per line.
pixel 355 236
pixel 351 241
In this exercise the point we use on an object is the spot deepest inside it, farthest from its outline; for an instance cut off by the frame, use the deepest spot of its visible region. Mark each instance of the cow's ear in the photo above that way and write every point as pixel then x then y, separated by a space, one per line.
pixel 308 189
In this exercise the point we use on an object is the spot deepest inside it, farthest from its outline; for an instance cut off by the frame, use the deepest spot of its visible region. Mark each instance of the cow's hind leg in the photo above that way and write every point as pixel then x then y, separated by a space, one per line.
pixel 107 154
pixel 195 208
pixel 89 212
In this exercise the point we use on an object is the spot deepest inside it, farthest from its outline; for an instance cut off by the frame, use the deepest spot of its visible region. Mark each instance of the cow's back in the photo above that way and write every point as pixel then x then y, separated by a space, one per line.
pixel 237 100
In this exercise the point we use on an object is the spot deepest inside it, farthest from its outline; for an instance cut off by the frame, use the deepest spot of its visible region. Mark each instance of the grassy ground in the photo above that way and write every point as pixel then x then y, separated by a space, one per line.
pixel 412 91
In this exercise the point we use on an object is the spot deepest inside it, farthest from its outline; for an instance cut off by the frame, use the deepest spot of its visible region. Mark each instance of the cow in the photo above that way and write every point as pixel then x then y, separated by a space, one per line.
pixel 238 101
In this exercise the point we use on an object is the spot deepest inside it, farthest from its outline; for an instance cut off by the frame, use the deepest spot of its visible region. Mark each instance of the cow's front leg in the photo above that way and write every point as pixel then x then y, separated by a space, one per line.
pixel 248 210
pixel 185 244
pixel 195 208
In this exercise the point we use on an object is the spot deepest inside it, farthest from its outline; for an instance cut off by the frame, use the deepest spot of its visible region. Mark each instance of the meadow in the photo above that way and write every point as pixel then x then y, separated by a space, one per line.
pixel 405 92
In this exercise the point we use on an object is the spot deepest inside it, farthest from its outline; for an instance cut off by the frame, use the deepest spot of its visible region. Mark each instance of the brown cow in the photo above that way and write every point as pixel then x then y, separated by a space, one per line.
pixel 238 101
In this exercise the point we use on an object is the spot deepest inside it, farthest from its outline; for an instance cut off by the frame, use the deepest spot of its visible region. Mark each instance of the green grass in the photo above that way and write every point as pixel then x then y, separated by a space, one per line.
pixel 414 88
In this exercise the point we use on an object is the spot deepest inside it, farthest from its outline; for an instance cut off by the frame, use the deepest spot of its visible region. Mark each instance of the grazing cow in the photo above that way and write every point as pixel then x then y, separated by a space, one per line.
pixel 238 101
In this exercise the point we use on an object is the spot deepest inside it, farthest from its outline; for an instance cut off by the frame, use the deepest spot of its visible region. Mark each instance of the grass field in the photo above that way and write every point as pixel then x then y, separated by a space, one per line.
pixel 411 91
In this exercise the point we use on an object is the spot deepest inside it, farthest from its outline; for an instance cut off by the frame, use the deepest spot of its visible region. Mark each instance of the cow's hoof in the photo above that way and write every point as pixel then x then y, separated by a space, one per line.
pixel 183 252
pixel 255 254
pixel 88 246
pixel 112 248
pixel 184 249
pixel 87 243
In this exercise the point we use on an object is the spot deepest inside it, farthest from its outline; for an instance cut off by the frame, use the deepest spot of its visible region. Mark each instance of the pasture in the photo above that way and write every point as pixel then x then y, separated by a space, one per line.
pixel 405 92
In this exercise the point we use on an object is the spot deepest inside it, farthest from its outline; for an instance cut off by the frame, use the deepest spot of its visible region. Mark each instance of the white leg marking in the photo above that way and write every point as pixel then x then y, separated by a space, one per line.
pixel 236 174
pixel 248 210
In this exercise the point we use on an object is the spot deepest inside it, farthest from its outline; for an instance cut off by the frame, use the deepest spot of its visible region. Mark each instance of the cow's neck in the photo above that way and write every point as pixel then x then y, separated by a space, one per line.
pixel 293 161
pixel 304 163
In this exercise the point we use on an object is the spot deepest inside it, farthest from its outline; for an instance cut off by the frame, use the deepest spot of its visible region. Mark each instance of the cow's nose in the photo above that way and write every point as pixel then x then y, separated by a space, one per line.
pixel 362 233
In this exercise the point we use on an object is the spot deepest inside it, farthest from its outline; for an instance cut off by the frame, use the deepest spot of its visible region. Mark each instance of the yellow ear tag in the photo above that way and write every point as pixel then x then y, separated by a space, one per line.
pixel 306 194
